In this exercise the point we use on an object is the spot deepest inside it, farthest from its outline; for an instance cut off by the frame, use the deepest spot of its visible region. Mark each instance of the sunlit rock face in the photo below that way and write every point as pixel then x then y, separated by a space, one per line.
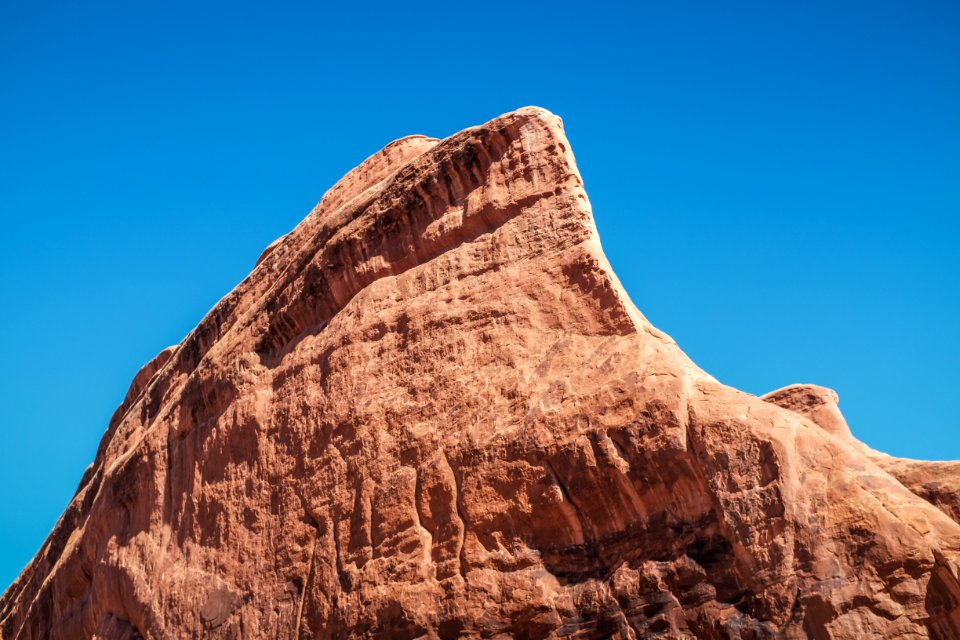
pixel 431 411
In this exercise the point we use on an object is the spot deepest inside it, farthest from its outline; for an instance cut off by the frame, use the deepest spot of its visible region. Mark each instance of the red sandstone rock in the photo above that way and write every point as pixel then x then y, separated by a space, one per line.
pixel 431 411
pixel 936 482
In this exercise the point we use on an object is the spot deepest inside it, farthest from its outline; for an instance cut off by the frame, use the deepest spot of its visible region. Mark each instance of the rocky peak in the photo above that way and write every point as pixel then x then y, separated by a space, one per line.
pixel 431 411
pixel 819 404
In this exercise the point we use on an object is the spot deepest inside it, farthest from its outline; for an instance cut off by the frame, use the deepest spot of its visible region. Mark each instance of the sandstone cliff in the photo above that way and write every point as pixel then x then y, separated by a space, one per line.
pixel 431 411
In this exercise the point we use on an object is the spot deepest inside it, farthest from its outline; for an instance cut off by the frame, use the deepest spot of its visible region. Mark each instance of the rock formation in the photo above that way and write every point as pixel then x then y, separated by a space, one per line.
pixel 431 411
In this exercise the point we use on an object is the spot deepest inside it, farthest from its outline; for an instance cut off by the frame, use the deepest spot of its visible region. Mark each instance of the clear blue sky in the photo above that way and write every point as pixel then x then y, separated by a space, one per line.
pixel 777 186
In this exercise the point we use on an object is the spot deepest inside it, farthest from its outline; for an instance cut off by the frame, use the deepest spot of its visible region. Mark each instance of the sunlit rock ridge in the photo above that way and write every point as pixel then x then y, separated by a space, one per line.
pixel 431 411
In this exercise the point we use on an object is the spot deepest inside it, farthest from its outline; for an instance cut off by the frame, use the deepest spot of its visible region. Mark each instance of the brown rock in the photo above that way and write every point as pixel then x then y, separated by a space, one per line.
pixel 936 482
pixel 431 411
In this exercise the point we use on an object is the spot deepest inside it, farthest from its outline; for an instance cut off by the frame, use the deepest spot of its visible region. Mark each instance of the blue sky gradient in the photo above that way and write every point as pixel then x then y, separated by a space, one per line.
pixel 777 186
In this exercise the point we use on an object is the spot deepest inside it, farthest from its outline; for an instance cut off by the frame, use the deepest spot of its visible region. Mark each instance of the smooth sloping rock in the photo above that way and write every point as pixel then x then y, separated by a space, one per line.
pixel 934 481
pixel 432 411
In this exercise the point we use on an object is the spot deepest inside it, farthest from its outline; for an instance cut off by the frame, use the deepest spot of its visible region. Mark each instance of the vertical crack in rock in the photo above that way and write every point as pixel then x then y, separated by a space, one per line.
pixel 308 581
pixel 462 565
pixel 584 529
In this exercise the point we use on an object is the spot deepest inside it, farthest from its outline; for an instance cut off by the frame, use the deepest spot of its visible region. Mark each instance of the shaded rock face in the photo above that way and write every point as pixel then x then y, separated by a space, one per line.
pixel 431 411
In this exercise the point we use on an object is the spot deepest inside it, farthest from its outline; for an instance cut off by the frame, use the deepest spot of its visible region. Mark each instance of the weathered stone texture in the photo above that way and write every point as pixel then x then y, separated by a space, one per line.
pixel 431 411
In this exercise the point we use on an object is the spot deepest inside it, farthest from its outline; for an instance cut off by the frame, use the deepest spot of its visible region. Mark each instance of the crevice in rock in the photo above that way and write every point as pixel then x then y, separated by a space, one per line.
pixel 458 501
pixel 309 578
pixel 585 528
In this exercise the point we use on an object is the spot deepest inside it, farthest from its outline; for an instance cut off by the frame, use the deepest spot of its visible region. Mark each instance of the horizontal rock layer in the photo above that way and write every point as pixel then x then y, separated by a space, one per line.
pixel 431 411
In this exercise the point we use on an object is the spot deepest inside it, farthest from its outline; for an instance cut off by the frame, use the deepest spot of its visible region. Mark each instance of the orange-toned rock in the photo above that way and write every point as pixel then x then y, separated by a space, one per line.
pixel 936 482
pixel 431 411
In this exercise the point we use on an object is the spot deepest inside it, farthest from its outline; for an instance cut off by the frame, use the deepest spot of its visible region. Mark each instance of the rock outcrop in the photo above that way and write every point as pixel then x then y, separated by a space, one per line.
pixel 936 482
pixel 431 411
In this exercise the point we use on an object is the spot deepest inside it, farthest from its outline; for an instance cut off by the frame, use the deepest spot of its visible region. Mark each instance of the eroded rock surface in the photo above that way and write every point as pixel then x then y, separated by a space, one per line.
pixel 937 482
pixel 431 411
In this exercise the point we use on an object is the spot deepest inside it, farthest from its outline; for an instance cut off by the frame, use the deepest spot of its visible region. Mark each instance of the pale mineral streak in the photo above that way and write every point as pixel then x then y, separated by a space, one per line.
pixel 431 411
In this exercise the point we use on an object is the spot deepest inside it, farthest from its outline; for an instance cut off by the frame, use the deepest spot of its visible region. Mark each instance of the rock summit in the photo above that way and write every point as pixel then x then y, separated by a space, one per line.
pixel 432 411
